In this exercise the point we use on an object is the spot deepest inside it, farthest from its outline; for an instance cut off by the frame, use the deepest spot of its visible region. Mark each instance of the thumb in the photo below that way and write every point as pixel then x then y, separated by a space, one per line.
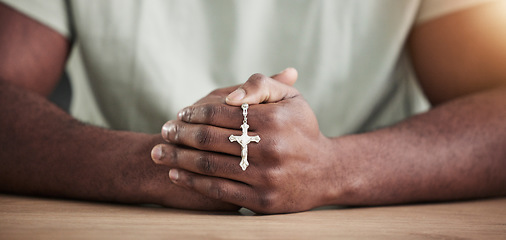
pixel 262 89
pixel 287 76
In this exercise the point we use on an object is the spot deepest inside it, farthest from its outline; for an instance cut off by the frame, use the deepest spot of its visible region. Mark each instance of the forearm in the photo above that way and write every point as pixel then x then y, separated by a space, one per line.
pixel 454 151
pixel 47 152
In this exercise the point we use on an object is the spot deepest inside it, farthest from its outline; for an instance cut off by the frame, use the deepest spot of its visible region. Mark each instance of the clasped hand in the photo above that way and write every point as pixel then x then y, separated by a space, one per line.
pixel 290 168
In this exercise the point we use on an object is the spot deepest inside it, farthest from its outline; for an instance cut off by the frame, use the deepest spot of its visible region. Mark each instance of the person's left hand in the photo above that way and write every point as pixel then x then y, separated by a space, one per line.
pixel 290 168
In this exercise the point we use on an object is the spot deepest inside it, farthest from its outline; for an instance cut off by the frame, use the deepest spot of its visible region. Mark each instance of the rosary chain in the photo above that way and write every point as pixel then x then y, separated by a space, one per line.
pixel 245 112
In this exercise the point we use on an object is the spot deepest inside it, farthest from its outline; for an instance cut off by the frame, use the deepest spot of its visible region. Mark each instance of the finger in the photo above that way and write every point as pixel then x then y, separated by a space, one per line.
pixel 287 76
pixel 261 89
pixel 215 114
pixel 217 188
pixel 217 96
pixel 202 162
pixel 222 115
pixel 204 137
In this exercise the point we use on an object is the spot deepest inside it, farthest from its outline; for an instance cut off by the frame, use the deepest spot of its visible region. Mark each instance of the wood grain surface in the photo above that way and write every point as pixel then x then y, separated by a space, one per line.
pixel 39 218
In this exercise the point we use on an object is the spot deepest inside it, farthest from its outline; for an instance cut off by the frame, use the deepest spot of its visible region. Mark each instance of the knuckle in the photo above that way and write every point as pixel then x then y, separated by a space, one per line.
pixel 216 92
pixel 188 180
pixel 203 136
pixel 272 176
pixel 266 119
pixel 268 202
pixel 274 119
pixel 208 113
pixel 272 150
pixel 279 116
pixel 206 164
pixel 188 114
pixel 174 156
pixel 174 132
pixel 239 196
pixel 258 79
pixel 217 191
pixel 223 110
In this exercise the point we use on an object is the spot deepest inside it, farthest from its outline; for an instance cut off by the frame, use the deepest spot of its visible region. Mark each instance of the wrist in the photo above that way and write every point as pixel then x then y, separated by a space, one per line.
pixel 343 171
pixel 136 176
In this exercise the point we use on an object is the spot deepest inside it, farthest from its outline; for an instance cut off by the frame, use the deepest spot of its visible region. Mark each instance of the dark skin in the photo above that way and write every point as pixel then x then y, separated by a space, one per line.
pixel 44 151
pixel 47 152
pixel 454 151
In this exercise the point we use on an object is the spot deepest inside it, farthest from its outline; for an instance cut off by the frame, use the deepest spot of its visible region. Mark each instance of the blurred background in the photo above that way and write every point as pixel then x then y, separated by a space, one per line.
pixel 63 93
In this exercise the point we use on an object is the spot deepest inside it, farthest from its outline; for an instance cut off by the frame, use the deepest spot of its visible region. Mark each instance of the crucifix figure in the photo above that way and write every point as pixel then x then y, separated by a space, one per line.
pixel 244 139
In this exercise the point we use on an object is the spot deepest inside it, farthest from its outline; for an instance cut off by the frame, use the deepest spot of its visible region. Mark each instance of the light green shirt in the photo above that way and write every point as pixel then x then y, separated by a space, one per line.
pixel 136 63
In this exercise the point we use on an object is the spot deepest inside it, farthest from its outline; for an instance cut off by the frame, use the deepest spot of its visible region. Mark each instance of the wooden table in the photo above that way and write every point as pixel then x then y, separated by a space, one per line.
pixel 39 218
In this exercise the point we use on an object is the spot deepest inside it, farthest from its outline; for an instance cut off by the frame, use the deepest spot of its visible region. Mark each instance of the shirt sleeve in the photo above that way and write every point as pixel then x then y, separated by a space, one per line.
pixel 432 9
pixel 51 13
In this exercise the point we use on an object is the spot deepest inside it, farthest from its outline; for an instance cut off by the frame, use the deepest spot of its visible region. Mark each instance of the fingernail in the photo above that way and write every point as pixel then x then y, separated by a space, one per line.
pixel 173 175
pixel 157 153
pixel 167 127
pixel 236 95
pixel 180 114
pixel 286 69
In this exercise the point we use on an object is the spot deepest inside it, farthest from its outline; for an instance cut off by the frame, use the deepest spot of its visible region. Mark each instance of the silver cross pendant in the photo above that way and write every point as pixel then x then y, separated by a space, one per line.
pixel 244 139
